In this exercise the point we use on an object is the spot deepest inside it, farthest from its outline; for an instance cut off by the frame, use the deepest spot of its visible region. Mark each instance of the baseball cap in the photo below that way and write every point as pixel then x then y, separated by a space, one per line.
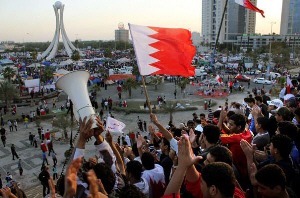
pixel 276 102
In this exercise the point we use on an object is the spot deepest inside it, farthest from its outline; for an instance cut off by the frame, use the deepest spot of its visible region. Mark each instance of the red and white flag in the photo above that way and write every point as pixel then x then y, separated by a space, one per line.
pixel 114 126
pixel 167 51
pixel 192 83
pixel 249 5
pixel 219 79
pixel 289 84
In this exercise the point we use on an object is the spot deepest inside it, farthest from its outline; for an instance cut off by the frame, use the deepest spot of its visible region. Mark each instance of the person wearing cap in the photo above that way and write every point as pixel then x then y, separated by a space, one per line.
pixel 274 105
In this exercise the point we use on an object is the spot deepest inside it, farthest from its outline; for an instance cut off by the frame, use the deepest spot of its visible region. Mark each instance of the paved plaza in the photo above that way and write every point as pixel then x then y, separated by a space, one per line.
pixel 32 157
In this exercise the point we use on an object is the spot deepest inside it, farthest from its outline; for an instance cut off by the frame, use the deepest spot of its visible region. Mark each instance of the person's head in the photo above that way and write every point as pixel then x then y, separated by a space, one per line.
pixel 107 176
pixel 250 102
pixel 258 100
pixel 297 114
pixel 147 161
pixel 237 123
pixel 262 124
pixel 191 124
pixel 281 145
pixel 274 104
pixel 202 116
pixel 216 114
pixel 164 145
pixel 219 154
pixel 229 113
pixel 283 114
pixel 211 134
pixel 131 191
pixel 217 180
pixel 271 181
pixel 134 170
pixel 287 128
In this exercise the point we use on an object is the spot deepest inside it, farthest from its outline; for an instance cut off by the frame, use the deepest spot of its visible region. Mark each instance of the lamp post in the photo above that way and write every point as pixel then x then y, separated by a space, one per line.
pixel 272 23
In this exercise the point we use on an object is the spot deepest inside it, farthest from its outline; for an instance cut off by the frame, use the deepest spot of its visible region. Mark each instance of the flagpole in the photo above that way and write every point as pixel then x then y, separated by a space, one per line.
pixel 217 40
pixel 147 96
pixel 143 81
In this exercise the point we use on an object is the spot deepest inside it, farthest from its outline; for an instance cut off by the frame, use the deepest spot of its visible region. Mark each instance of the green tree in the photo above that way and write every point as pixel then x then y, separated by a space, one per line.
pixel 183 82
pixel 63 122
pixel 95 88
pixel 8 92
pixel 156 80
pixel 135 70
pixel 129 85
pixel 8 73
pixel 47 75
pixel 75 55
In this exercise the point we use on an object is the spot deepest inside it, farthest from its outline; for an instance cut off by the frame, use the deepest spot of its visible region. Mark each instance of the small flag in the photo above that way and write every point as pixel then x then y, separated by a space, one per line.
pixel 289 84
pixel 192 83
pixel 219 79
pixel 249 5
pixel 114 126
pixel 167 51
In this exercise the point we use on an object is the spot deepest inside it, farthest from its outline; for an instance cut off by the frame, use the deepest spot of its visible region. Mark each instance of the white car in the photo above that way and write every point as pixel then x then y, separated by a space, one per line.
pixel 262 81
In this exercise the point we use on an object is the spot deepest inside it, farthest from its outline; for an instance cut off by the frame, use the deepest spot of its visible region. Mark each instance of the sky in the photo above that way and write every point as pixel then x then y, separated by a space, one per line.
pixel 34 20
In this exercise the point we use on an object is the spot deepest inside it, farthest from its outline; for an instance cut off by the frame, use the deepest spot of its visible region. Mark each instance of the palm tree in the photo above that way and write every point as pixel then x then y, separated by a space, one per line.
pixel 47 75
pixel 75 55
pixel 156 80
pixel 130 84
pixel 8 73
pixel 8 92
pixel 63 122
pixel 183 82
pixel 170 107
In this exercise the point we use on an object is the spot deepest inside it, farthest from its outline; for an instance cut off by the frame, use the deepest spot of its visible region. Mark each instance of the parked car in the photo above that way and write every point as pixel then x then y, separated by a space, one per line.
pixel 275 75
pixel 253 72
pixel 242 78
pixel 294 76
pixel 262 81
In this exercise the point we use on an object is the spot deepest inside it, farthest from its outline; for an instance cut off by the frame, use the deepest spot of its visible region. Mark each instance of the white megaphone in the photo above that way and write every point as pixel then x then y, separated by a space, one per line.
pixel 75 85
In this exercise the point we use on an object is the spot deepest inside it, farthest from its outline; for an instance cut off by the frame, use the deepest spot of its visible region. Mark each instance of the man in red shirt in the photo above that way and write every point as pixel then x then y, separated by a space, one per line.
pixel 217 179
pixel 237 132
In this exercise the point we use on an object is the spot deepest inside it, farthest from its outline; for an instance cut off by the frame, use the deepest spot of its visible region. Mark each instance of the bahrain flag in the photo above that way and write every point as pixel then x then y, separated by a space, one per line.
pixel 249 5
pixel 166 51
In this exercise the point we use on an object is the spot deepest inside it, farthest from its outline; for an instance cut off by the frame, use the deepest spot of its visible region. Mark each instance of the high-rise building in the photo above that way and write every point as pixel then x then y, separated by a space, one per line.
pixel 251 19
pixel 121 34
pixel 290 17
pixel 238 20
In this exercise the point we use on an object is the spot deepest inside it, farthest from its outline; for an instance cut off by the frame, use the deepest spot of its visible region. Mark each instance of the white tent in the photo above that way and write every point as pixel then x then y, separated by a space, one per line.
pixel 123 60
pixel 33 65
pixel 67 62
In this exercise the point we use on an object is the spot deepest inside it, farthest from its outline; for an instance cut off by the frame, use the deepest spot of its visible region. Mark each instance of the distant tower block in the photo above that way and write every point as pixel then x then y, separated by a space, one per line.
pixel 53 47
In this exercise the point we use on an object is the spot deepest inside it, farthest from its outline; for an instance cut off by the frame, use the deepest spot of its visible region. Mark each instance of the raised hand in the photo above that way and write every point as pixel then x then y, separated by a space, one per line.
pixel 139 141
pixel 153 118
pixel 151 129
pixel 247 148
pixel 192 136
pixel 185 156
pixel 223 114
pixel 109 137
pixel 85 128
pixel 93 183
pixel 71 178
pixel 6 193
pixel 261 155
pixel 100 127
pixel 255 111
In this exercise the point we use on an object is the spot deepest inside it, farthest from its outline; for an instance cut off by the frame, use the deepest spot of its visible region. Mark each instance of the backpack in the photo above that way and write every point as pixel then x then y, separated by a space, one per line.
pixel 43 177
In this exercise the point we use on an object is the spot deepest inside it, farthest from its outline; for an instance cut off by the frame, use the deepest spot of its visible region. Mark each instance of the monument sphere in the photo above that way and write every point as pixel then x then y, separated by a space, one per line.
pixel 121 25
pixel 58 4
